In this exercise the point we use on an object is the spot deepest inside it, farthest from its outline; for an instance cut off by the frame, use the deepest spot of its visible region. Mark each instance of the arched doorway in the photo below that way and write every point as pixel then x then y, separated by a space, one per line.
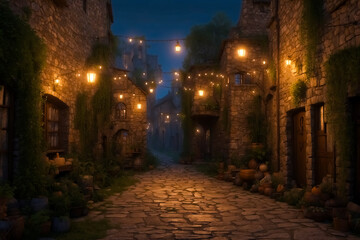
pixel 122 143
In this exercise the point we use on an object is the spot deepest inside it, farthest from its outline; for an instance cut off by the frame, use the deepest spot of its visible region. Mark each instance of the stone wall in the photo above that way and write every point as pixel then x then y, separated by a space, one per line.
pixel 336 35
pixel 68 33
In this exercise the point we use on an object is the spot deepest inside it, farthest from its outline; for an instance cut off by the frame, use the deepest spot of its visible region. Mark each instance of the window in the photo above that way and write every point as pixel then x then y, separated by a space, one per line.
pixel 120 112
pixel 56 128
pixel 6 110
pixel 242 78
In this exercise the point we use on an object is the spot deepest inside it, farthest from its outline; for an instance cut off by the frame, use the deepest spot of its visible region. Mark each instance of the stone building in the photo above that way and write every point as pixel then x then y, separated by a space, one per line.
pixel 165 132
pixel 128 121
pixel 69 29
pixel 305 147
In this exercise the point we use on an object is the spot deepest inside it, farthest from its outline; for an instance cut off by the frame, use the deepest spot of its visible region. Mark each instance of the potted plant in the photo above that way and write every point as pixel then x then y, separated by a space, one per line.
pixel 60 207
pixel 38 224
pixel 78 206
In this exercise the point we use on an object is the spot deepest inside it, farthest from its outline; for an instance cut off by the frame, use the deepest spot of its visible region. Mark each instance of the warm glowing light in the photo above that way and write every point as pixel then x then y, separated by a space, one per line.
pixel 91 76
pixel 139 106
pixel 189 77
pixel 151 90
pixel 264 62
pixel 100 67
pixel 167 116
pixel 115 78
pixel 241 52
pixel 125 75
pixel 141 41
pixel 176 73
pixel 78 74
pixel 201 93
pixel 288 62
pixel 144 74
pixel 121 96
pixel 177 47
pixel 130 40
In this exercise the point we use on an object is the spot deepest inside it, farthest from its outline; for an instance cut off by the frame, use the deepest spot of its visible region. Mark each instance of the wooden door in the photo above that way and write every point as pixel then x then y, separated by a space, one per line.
pixel 324 164
pixel 299 164
pixel 357 163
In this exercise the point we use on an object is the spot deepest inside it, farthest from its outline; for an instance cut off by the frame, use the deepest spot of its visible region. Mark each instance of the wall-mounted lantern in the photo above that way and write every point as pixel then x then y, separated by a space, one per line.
pixel 91 77
pixel 241 52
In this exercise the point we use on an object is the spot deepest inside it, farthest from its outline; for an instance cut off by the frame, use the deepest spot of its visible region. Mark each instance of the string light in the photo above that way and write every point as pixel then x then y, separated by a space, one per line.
pixel 177 47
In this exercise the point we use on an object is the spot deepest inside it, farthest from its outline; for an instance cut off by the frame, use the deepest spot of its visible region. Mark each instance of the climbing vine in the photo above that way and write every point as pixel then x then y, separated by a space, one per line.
pixel 310 29
pixel 298 91
pixel 22 56
pixel 342 73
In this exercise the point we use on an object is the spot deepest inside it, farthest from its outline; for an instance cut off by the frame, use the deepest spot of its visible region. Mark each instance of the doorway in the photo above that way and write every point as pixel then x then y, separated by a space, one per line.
pixel 299 148
pixel 324 164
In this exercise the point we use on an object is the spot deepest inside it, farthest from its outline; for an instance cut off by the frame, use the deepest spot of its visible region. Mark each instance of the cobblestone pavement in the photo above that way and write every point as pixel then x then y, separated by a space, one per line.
pixel 176 202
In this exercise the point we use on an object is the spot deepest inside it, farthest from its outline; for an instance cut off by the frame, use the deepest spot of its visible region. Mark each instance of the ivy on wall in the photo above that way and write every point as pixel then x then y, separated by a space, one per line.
pixel 310 30
pixel 92 114
pixel 298 91
pixel 342 73
pixel 22 56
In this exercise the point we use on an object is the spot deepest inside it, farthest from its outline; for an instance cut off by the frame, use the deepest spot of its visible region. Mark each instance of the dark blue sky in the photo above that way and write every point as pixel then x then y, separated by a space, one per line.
pixel 167 19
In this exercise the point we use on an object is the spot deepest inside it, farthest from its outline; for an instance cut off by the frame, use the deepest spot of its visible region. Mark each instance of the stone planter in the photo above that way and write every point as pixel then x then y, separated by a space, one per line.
pixel 247 174
pixel 60 224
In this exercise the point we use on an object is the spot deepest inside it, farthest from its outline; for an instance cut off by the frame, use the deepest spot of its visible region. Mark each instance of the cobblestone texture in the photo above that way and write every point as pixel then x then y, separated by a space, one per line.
pixel 176 202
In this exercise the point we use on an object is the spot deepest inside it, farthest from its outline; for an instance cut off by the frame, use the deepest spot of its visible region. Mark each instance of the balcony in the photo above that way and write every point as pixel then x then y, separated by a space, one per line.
pixel 208 107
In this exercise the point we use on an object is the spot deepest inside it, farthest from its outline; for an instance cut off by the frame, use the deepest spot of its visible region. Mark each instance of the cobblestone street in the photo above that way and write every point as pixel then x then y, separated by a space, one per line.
pixel 176 202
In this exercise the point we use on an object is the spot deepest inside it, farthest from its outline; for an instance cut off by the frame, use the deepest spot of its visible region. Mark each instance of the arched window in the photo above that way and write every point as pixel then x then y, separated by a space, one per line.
pixel 120 112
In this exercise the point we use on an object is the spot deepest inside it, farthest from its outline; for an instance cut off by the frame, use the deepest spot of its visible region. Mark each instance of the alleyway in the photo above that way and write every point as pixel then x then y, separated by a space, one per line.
pixel 176 202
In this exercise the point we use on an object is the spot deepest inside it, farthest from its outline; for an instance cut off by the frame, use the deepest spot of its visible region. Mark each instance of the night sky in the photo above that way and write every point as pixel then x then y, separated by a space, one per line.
pixel 167 19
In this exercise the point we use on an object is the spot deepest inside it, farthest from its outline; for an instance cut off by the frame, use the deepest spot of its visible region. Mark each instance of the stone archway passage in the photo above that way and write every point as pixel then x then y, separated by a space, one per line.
pixel 176 202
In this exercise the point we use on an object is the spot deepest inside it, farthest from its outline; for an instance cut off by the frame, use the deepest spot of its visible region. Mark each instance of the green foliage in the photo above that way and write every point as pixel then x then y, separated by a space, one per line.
pixel 272 71
pixel 117 185
pixel 204 41
pixel 22 56
pixel 342 73
pixel 102 54
pixel 6 191
pixel 87 229
pixel 298 91
pixel 310 29
pixel 33 224
pixel 256 121
pixel 294 196
pixel 102 99
pixel 60 205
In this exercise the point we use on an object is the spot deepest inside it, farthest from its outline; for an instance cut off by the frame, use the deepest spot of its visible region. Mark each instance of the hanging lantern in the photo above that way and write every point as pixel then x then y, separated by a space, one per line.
pixel 151 90
pixel 91 77
pixel 241 52
pixel 177 47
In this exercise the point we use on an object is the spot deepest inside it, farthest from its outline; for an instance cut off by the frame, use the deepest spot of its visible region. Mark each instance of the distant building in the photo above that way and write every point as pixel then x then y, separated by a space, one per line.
pixel 165 131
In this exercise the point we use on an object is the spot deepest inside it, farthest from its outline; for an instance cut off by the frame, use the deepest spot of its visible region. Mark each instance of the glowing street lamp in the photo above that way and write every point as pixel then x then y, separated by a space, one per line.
pixel 201 93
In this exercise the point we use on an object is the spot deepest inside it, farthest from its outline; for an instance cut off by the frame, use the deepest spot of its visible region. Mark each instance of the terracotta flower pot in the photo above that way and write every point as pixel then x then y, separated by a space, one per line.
pixel 316 191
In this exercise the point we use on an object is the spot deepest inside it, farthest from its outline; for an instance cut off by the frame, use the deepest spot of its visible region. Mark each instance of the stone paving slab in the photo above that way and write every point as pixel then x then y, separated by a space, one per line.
pixel 176 202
